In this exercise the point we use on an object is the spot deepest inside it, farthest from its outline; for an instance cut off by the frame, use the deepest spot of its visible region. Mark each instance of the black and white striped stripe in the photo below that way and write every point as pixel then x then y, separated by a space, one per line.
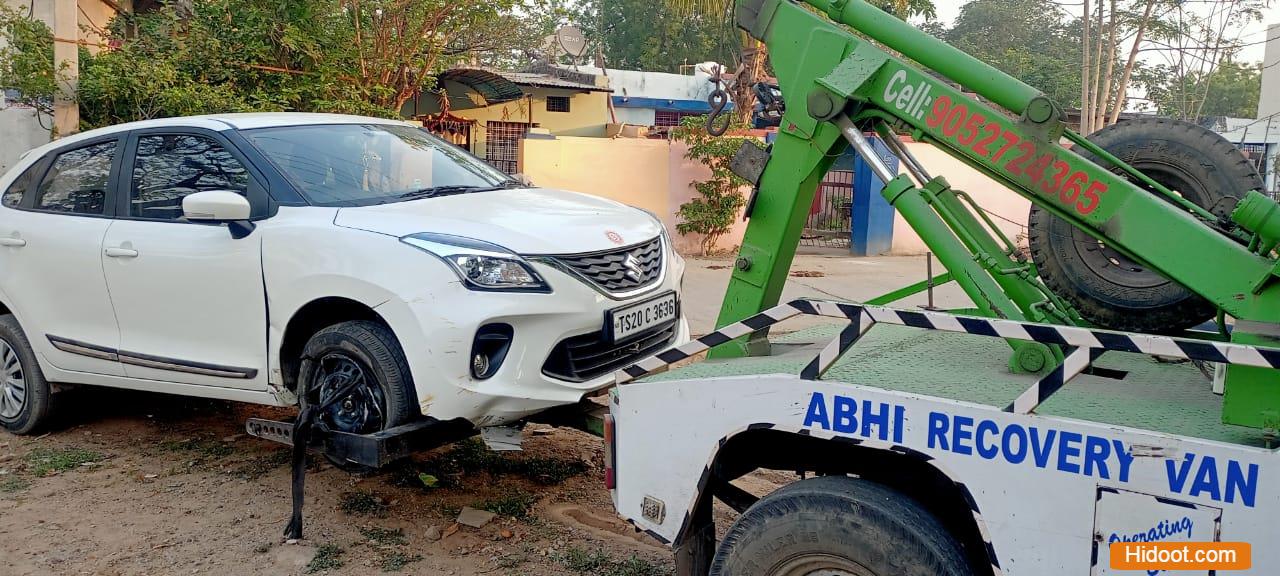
pixel 864 316
pixel 1075 363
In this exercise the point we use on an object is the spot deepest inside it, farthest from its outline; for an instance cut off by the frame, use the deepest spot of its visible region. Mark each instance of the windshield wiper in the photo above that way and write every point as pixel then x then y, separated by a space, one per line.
pixel 440 191
pixel 459 189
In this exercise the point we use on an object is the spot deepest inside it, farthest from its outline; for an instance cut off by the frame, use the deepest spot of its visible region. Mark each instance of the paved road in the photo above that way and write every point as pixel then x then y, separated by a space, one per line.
pixel 842 277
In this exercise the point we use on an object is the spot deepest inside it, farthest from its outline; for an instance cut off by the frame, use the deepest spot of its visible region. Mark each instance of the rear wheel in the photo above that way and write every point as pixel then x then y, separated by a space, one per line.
pixel 26 399
pixel 838 526
pixel 1109 289
pixel 368 355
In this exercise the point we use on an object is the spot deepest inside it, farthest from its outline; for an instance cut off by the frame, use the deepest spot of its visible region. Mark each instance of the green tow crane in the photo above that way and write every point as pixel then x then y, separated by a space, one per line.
pixel 1150 226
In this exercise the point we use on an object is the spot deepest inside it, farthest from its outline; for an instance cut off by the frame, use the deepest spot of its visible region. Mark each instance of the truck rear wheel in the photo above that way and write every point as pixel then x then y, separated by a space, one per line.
pixel 1111 290
pixel 838 526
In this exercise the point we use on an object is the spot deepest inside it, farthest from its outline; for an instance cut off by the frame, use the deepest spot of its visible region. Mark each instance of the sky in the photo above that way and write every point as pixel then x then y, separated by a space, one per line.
pixel 1255 32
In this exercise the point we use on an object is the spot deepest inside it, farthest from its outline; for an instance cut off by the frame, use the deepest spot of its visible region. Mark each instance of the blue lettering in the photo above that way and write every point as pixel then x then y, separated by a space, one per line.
pixel 1096 452
pixel 842 415
pixel 1178 478
pixel 985 429
pixel 817 413
pixel 961 435
pixel 1068 447
pixel 1012 454
pixel 1207 479
pixel 938 424
pixel 1125 459
pixel 1237 482
pixel 899 420
pixel 878 419
pixel 1040 449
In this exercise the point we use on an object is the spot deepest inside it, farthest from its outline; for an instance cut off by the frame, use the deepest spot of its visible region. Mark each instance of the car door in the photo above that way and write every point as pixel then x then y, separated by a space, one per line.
pixel 55 216
pixel 188 296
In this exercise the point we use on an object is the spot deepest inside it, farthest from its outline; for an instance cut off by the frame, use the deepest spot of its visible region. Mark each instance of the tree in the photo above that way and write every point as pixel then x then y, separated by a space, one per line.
pixel 27 72
pixel 715 209
pixel 752 58
pixel 1027 39
pixel 644 35
pixel 355 56
pixel 1232 89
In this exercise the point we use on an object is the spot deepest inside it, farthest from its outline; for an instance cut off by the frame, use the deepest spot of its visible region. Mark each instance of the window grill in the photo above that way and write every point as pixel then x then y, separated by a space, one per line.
pixel 669 118
pixel 557 103
pixel 502 144
pixel 1257 155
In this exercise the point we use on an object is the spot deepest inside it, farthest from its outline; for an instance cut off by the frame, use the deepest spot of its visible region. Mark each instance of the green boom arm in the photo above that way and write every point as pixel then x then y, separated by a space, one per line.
pixel 826 73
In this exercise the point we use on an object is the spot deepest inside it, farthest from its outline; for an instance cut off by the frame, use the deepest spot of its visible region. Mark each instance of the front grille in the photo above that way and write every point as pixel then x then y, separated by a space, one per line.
pixel 611 270
pixel 582 358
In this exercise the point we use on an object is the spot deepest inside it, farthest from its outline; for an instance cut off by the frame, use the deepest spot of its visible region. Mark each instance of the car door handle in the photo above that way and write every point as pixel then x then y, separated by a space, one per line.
pixel 121 253
pixel 13 242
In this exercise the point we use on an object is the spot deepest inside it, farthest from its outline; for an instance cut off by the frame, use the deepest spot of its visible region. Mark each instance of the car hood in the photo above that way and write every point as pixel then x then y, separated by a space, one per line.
pixel 526 221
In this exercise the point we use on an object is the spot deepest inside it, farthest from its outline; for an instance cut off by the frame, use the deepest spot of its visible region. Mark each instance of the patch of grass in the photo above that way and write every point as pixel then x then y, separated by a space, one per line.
pixel 362 502
pixel 396 561
pixel 328 557
pixel 516 504
pixel 384 536
pixel 45 461
pixel 11 484
pixel 204 447
pixel 472 457
pixel 260 466
pixel 599 563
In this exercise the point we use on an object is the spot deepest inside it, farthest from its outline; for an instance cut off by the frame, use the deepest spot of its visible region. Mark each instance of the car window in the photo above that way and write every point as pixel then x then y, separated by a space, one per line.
pixel 18 189
pixel 168 167
pixel 361 164
pixel 77 181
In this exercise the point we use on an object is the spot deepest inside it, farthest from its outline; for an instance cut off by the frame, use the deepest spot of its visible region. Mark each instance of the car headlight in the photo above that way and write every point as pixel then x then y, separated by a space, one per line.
pixel 480 265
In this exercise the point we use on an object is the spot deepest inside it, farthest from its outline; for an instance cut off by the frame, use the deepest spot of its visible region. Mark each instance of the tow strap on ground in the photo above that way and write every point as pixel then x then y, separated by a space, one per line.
pixel 301 437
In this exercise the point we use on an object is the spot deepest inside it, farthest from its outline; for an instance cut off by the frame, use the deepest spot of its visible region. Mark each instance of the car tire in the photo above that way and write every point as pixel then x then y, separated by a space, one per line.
pixel 364 350
pixel 838 525
pixel 1110 290
pixel 29 399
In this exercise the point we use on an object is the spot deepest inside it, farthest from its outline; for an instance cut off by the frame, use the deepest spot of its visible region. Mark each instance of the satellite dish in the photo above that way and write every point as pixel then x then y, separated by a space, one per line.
pixel 572 41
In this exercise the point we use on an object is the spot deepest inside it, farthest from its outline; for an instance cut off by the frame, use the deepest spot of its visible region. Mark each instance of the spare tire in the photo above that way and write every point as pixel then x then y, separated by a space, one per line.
pixel 1111 290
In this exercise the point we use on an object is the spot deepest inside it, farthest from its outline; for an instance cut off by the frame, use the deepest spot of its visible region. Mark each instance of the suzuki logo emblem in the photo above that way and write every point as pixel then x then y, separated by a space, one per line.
pixel 632 264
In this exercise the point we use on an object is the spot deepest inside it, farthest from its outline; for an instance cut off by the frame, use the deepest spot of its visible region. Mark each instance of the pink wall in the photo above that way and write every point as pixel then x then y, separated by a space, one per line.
pixel 654 175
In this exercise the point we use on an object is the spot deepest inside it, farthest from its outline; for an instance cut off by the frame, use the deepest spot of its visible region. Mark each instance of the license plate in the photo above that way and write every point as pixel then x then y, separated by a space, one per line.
pixel 637 318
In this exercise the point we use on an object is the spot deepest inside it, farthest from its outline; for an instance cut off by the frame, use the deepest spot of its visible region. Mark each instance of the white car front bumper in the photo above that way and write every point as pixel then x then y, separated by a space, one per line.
pixel 522 385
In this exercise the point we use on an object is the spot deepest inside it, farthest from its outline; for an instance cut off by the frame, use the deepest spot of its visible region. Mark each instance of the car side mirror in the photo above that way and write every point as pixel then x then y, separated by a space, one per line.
pixel 219 206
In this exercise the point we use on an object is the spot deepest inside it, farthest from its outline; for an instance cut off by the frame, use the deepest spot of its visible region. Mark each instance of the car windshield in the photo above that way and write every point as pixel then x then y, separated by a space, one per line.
pixel 363 164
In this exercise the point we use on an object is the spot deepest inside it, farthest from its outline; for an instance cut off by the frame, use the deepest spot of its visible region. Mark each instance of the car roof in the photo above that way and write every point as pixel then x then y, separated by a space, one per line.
pixel 218 122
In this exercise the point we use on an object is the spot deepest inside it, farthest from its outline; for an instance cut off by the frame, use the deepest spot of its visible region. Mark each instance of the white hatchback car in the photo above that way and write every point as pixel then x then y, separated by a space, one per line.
pixel 252 257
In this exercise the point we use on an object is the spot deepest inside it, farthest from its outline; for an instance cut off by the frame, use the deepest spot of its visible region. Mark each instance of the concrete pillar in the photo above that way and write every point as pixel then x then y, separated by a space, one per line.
pixel 1270 105
pixel 66 59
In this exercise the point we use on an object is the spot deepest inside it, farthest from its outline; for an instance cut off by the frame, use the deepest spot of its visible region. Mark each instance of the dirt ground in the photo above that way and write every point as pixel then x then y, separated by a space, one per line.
pixel 137 483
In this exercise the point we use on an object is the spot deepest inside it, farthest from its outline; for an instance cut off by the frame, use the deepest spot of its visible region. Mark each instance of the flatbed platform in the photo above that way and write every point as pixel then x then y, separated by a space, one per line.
pixel 1171 398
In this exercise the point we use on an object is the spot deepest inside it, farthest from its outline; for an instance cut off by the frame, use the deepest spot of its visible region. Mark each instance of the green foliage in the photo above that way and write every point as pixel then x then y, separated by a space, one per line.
pixel 384 536
pixel 719 199
pixel 328 557
pixel 657 36
pixel 11 484
pixel 515 504
pixel 369 57
pixel 45 461
pixel 599 563
pixel 1026 39
pixel 397 560
pixel 1231 90
pixel 471 456
pixel 363 503
pixel 26 60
